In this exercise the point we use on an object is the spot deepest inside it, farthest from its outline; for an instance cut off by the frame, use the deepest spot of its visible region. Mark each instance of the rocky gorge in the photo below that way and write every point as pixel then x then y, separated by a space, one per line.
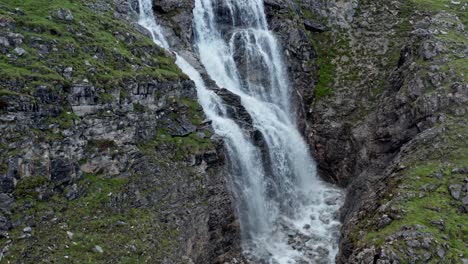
pixel 107 157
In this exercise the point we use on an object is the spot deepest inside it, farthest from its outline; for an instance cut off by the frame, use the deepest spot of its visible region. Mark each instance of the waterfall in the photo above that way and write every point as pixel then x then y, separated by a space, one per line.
pixel 287 214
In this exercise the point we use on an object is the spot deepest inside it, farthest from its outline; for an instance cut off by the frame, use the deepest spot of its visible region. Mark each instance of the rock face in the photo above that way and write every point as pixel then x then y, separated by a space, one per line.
pixel 105 156
pixel 104 153
pixel 385 105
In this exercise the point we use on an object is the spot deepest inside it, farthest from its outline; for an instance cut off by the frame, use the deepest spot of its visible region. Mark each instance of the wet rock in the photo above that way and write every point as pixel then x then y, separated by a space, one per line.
pixel 366 255
pixel 236 109
pixel 275 4
pixel 324 219
pixel 439 224
pixel 7 182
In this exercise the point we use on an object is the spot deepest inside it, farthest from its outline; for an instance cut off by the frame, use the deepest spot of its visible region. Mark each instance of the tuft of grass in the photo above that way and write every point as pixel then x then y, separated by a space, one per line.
pixel 65 120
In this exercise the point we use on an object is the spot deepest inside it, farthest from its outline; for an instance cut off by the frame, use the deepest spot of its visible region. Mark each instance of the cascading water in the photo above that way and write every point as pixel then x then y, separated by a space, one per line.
pixel 287 214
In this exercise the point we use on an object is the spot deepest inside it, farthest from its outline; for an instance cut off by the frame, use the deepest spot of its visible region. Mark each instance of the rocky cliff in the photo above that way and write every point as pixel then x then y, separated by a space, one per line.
pixel 106 157
pixel 105 154
pixel 385 99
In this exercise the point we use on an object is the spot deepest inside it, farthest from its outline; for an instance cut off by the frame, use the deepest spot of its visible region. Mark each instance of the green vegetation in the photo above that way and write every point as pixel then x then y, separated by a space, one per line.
pixel 25 187
pixel 443 5
pixel 100 145
pixel 5 92
pixel 326 77
pixel 95 45
pixel 178 147
pixel 422 193
pixel 106 98
pixel 92 220
pixel 64 120
pixel 194 110
pixel 139 108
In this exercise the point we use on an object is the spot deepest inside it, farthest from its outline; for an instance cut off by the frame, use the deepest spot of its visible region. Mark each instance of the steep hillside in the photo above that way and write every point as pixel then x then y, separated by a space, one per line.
pixel 104 153
pixel 386 117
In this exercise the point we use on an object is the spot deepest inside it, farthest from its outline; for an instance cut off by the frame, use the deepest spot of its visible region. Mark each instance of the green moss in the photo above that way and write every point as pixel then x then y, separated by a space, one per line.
pixel 139 108
pixel 47 135
pixel 5 92
pixel 194 110
pixel 429 173
pixel 95 38
pixel 25 187
pixel 106 98
pixel 65 120
pixel 101 144
pixel 326 78
pixel 126 234
pixel 454 36
pixel 179 147
pixel 443 5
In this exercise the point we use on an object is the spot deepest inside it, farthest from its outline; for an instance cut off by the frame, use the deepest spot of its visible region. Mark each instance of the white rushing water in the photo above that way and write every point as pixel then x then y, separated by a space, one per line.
pixel 287 213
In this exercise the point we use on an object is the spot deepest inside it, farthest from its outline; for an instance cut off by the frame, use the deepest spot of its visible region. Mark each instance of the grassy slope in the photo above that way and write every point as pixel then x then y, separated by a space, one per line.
pixel 92 37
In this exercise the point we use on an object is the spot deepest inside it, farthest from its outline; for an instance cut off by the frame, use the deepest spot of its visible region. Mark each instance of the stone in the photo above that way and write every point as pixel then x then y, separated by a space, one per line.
pixel 67 72
pixel 27 230
pixel 98 249
pixel 65 14
pixel 465 200
pixel 440 253
pixel 6 202
pixel 19 51
pixel 324 219
pixel 70 235
pixel 63 170
pixel 4 42
pixel 314 26
pixel 384 221
pixel 460 170
pixel 455 190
